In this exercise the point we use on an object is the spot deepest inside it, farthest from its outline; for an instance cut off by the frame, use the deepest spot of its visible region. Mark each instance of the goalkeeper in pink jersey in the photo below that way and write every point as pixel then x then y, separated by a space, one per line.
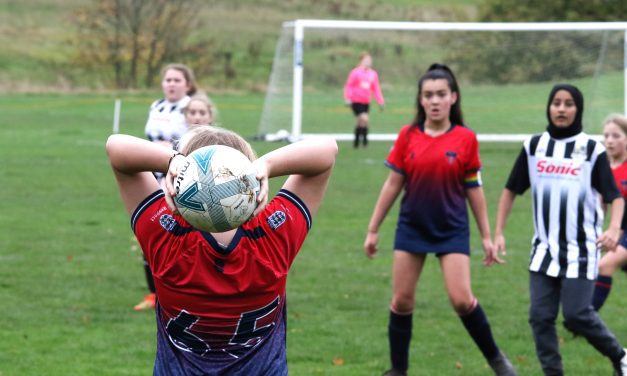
pixel 362 83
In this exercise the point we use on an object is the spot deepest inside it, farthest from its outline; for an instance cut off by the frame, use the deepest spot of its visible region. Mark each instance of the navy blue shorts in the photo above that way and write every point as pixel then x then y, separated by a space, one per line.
pixel 359 108
pixel 413 239
pixel 623 240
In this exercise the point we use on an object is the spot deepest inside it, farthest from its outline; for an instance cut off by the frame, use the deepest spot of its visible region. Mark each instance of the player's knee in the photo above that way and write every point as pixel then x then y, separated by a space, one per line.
pixel 539 315
pixel 463 305
pixel 607 267
pixel 402 304
pixel 578 317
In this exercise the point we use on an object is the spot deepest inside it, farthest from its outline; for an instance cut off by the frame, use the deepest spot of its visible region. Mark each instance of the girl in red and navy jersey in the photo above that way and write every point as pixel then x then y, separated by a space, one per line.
pixel 221 296
pixel 362 83
pixel 435 160
pixel 615 136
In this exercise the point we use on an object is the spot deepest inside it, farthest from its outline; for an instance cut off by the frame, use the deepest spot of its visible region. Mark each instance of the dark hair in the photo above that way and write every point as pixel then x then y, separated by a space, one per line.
pixel 439 71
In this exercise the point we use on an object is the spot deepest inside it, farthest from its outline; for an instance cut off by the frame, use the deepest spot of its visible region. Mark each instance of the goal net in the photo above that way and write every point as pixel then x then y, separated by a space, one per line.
pixel 505 72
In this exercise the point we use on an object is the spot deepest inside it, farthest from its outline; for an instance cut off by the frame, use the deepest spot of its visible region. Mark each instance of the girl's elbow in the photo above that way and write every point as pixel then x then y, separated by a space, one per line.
pixel 332 150
pixel 110 145
pixel 333 147
pixel 113 147
pixel 326 147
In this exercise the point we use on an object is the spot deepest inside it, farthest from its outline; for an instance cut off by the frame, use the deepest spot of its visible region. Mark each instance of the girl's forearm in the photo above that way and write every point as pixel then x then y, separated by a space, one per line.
pixel 307 158
pixel 129 154
pixel 389 192
pixel 505 206
pixel 618 206
pixel 477 201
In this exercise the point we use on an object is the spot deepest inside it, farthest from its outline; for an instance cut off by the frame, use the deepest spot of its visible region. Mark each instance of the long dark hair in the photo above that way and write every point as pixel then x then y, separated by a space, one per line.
pixel 439 71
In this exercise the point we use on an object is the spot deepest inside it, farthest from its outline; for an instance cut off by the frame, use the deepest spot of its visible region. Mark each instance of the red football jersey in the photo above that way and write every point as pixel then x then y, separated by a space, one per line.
pixel 437 171
pixel 620 175
pixel 221 299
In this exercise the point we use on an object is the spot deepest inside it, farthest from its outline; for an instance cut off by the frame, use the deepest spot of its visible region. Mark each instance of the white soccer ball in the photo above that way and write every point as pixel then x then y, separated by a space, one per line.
pixel 216 189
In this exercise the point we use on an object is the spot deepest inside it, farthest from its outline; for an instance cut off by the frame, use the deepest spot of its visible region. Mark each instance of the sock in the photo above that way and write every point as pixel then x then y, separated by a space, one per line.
pixel 477 325
pixel 149 280
pixel 616 360
pixel 357 133
pixel 602 288
pixel 365 134
pixel 399 333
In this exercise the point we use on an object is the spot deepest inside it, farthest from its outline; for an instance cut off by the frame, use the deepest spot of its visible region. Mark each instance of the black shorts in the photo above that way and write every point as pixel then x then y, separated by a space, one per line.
pixel 359 108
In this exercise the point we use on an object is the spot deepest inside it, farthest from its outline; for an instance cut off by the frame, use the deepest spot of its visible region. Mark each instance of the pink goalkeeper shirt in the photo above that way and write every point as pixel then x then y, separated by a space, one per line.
pixel 361 84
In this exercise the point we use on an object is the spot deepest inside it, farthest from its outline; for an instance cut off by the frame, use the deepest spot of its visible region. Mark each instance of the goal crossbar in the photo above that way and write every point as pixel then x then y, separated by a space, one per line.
pixel 452 26
pixel 518 137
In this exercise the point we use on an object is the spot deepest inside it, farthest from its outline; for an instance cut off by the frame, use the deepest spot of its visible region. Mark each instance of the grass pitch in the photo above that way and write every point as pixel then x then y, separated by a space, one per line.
pixel 70 270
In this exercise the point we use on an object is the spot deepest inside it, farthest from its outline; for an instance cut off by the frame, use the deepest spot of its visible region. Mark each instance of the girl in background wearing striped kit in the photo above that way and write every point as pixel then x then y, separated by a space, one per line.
pixel 567 171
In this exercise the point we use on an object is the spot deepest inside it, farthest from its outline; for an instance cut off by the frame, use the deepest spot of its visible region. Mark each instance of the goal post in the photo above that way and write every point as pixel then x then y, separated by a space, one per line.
pixel 494 62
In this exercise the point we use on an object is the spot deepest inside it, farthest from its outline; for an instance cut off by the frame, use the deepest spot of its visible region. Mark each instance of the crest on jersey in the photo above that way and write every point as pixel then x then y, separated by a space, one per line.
pixel 450 157
pixel 276 219
pixel 580 151
pixel 167 222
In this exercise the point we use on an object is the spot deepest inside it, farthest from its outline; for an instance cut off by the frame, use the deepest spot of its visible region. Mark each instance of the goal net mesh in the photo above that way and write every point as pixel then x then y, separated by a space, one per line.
pixel 504 76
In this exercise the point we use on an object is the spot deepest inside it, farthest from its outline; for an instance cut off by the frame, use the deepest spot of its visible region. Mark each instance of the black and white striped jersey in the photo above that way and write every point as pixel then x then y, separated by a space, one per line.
pixel 166 120
pixel 568 179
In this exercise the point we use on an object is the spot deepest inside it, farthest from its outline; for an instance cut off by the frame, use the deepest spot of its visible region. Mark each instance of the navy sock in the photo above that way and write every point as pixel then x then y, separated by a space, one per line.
pixel 602 288
pixel 478 327
pixel 399 334
pixel 357 134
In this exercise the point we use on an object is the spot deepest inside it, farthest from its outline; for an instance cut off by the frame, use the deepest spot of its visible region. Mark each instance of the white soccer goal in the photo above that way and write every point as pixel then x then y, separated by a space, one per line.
pixel 505 71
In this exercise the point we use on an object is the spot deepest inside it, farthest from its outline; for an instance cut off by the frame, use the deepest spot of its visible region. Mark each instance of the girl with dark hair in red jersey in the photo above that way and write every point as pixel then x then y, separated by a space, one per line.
pixel 436 161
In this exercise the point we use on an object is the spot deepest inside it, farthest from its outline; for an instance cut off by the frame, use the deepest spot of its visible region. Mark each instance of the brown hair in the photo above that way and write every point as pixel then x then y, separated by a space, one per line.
pixel 204 135
pixel 617 119
pixel 187 73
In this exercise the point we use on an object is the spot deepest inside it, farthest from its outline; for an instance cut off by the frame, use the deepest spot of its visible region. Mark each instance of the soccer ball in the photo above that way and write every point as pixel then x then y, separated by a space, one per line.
pixel 216 189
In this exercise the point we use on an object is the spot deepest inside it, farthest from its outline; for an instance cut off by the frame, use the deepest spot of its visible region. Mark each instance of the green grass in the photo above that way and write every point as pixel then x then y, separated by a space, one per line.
pixel 70 270
pixel 487 108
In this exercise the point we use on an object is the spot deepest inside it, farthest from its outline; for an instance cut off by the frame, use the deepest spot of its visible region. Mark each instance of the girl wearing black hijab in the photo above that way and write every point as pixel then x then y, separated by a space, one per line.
pixel 567 171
